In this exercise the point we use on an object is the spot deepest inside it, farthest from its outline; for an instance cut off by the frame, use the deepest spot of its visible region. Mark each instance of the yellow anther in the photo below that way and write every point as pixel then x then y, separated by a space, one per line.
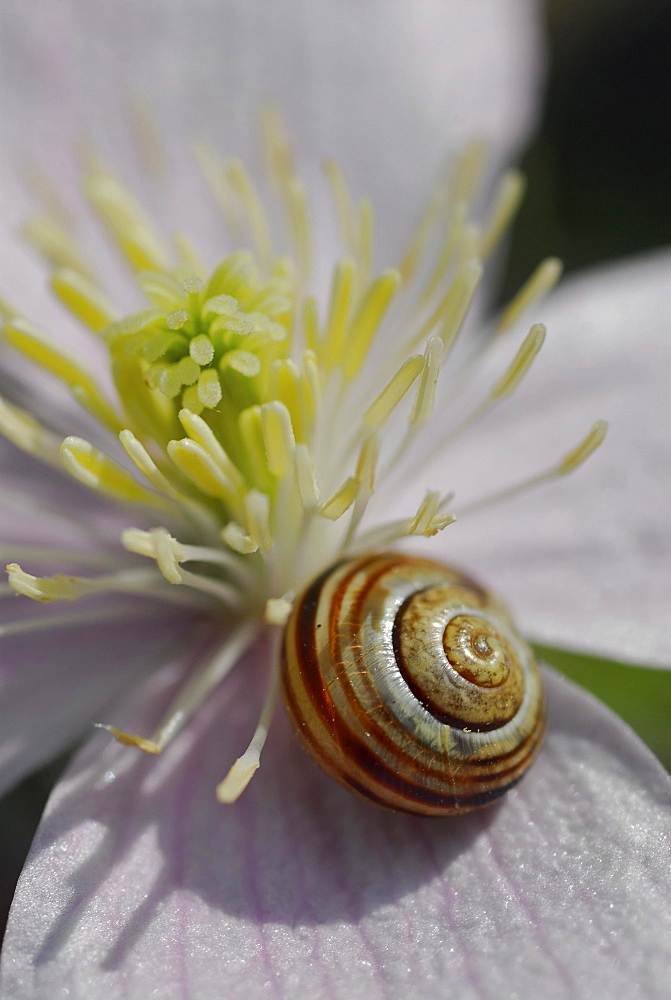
pixel 26 433
pixel 33 345
pixel 306 482
pixel 365 249
pixel 342 202
pixel 237 539
pixel 157 544
pixel 161 289
pixel 341 500
pixel 250 424
pixel 125 220
pixel 288 386
pixel 242 184
pixel 83 299
pixel 429 520
pixel 93 468
pixel 44 589
pixel 578 455
pixel 521 363
pixel 194 461
pixel 277 611
pixel 131 740
pixel 278 436
pixel 367 320
pixel 55 243
pixel 201 432
pixel 468 171
pixel 542 281
pixel 338 317
pixel 507 200
pixel 379 411
pixel 257 513
pixel 311 323
pixel 426 392
pixel 367 463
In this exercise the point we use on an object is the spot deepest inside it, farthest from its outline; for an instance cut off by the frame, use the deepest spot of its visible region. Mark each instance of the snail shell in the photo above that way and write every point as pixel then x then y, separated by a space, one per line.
pixel 409 684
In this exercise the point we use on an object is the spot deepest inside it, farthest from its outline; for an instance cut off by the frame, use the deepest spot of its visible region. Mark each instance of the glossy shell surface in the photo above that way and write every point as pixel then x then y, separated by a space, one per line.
pixel 409 684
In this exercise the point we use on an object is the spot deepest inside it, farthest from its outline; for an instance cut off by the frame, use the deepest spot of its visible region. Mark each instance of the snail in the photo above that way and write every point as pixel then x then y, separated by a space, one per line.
pixel 408 684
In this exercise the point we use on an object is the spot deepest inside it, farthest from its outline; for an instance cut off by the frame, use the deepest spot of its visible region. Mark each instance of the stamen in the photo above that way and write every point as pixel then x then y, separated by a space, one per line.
pixel 420 238
pixel 195 691
pixel 201 432
pixel 157 544
pixel 365 477
pixel 257 512
pixel 144 543
pixel 450 313
pixel 339 307
pixel 365 248
pixel 201 469
pixel 94 469
pixel 580 454
pixel 278 610
pixel 55 243
pixel 244 768
pixel 27 339
pixel 148 136
pixel 367 319
pixel 570 461
pixel 502 388
pixel 507 201
pixel 426 392
pixel 72 588
pixel 342 202
pixel 278 437
pixel 521 363
pixel 233 535
pixel 542 281
pixel 215 177
pixel 381 408
pixel 306 483
pixel 83 299
pixel 241 183
pixel 428 520
pixel 341 500
pixel 26 433
pixel 161 289
pixel 468 171
pixel 125 220
pixel 287 386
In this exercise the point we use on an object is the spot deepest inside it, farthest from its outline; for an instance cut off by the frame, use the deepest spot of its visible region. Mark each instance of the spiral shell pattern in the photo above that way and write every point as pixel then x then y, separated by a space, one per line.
pixel 409 684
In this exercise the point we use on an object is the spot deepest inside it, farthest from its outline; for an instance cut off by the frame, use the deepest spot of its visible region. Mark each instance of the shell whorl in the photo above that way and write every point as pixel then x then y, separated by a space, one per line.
pixel 409 684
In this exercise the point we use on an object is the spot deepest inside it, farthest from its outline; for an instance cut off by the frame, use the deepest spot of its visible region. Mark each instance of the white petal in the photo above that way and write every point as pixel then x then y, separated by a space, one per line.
pixel 387 86
pixel 584 561
pixel 140 883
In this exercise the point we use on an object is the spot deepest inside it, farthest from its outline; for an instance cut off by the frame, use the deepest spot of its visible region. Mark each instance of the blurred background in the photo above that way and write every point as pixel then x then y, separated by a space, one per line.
pixel 599 170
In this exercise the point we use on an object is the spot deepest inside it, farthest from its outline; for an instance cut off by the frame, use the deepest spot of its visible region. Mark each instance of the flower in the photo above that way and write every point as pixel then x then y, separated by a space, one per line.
pixel 297 886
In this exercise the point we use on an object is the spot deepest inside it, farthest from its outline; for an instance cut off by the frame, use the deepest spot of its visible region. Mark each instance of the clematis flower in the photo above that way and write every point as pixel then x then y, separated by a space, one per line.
pixel 140 880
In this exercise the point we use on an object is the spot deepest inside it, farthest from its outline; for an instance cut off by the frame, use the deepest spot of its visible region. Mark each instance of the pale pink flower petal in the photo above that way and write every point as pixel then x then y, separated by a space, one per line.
pixel 387 86
pixel 584 561
pixel 140 884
